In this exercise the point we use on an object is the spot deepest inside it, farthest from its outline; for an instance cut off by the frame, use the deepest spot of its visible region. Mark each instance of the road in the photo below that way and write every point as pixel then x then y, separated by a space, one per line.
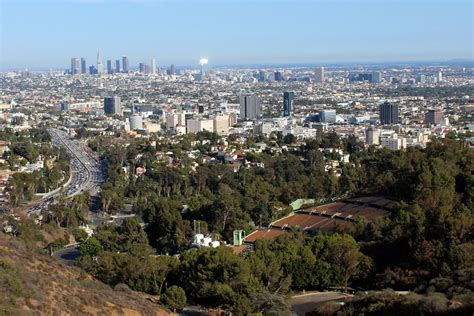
pixel 67 255
pixel 307 302
pixel 87 173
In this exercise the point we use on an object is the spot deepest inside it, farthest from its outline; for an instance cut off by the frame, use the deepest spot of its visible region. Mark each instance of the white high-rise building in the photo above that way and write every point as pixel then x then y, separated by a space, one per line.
pixel 376 77
pixel 136 122
pixel 174 120
pixel 319 74
pixel 75 66
pixel 221 124
pixel 153 66
pixel 199 125
pixel 100 66
pixel 249 107
pixel 440 76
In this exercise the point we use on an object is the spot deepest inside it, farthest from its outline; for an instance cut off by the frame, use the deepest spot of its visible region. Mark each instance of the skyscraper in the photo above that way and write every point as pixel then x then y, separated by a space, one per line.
pixel 125 64
pixel 356 77
pixel 319 74
pixel 376 77
pixel 249 107
pixel 141 68
pixel 172 69
pixel 117 65
pixel 112 105
pixel 100 66
pixel 288 100
pixel 388 113
pixel 109 67
pixel 83 65
pixel 153 66
pixel 75 66
pixel 278 76
pixel 421 79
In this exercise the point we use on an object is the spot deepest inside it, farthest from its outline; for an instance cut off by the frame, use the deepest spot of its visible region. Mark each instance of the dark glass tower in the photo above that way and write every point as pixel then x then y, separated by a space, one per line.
pixel 388 113
pixel 288 100
pixel 83 66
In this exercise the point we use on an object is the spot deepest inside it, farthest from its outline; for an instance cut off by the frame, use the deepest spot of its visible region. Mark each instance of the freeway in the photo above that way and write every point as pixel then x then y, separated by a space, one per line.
pixel 87 173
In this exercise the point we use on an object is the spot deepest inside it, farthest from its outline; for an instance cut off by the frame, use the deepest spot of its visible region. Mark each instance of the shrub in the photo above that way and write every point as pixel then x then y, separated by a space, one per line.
pixel 174 297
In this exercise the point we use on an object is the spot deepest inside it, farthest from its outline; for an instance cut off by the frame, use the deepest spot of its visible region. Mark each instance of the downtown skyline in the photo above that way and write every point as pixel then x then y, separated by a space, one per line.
pixel 42 35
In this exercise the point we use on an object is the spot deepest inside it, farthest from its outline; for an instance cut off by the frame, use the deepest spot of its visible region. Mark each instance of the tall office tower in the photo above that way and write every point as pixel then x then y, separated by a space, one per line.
pixel 440 76
pixel 421 79
pixel 388 113
pixel 125 64
pixel 261 76
pixel 319 74
pixel 288 100
pixel 75 66
pixel 360 77
pixel 153 66
pixel 100 66
pixel 433 117
pixel 109 67
pixel 278 76
pixel 141 68
pixel 372 136
pixel 112 105
pixel 92 70
pixel 328 116
pixel 117 65
pixel 172 70
pixel 249 107
pixel 83 66
pixel 376 77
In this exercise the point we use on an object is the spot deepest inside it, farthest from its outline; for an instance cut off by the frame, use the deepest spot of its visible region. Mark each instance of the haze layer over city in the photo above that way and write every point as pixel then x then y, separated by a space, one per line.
pixel 247 157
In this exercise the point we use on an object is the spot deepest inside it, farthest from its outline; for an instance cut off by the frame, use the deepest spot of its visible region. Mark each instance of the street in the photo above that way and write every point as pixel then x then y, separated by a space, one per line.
pixel 307 302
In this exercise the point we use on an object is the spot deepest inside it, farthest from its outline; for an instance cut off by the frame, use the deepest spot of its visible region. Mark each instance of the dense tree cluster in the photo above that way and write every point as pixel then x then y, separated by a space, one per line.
pixel 170 199
pixel 427 238
pixel 69 213
pixel 29 147
pixel 217 277
pixel 430 233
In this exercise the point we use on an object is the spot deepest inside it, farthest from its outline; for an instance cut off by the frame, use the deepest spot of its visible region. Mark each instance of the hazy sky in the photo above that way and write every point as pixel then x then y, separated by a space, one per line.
pixel 47 33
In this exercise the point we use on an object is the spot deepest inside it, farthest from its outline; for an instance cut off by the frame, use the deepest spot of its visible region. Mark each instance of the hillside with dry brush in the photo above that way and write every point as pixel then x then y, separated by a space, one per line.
pixel 35 284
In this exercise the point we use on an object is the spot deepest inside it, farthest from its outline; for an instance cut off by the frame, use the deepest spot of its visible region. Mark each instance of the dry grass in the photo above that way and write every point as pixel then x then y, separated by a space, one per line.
pixel 32 284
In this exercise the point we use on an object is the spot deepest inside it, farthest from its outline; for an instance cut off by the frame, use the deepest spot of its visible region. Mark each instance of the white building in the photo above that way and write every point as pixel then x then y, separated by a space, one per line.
pixel 376 77
pixel 394 142
pixel 199 125
pixel 175 119
pixel 263 128
pixel 221 124
pixel 319 74
pixel 136 122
